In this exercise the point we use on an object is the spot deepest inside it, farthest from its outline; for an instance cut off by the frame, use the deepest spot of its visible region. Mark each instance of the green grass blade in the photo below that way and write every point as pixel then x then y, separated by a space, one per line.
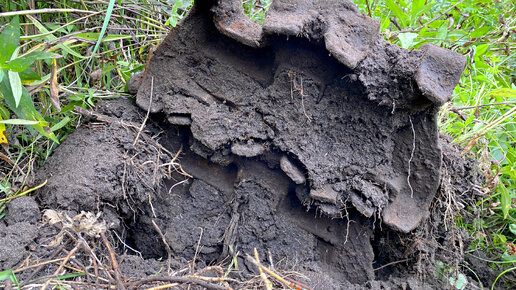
pixel 109 11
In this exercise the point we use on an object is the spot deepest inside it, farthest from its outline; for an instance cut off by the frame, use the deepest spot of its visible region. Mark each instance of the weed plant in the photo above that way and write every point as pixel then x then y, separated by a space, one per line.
pixel 481 116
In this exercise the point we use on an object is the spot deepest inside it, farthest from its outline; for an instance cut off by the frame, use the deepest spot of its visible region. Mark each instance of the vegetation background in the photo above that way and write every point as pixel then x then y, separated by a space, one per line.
pixel 58 54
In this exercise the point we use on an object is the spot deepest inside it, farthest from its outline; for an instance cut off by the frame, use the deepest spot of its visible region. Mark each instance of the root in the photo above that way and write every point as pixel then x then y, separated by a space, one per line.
pixel 411 157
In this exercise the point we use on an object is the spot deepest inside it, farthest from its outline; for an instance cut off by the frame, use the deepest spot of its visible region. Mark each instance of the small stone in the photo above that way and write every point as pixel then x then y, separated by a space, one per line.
pixel 325 194
pixel 363 207
pixel 180 120
pixel 292 170
pixel 247 150
pixel 134 83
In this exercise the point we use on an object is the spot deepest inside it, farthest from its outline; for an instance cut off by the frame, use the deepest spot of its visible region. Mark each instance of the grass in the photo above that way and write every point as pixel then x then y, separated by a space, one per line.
pixel 76 67
pixel 481 116
pixel 73 53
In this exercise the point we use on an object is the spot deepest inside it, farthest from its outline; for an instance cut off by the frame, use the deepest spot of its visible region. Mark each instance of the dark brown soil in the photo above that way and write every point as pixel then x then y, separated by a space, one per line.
pixel 248 204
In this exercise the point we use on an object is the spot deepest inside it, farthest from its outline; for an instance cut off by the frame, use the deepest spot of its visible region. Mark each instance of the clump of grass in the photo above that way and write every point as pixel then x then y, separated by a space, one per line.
pixel 60 54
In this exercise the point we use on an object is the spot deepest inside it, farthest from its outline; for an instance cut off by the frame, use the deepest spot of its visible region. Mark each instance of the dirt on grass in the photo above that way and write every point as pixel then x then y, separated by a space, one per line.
pixel 309 140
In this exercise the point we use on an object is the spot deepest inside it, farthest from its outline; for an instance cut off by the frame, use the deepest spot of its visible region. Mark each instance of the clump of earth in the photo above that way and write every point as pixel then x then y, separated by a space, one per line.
pixel 309 139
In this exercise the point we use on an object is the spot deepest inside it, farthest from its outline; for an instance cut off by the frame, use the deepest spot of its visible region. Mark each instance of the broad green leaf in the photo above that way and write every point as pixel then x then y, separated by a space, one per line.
pixel 427 7
pixel 443 31
pixel 16 86
pixel 480 31
pixel 22 63
pixel 385 24
pixel 417 5
pixel 512 228
pixel 19 122
pixel 9 274
pixel 178 4
pixel 26 110
pixel 481 49
pixel 508 258
pixel 28 76
pixel 2 74
pixel 9 39
pixel 505 200
pixel 402 17
pixel 407 39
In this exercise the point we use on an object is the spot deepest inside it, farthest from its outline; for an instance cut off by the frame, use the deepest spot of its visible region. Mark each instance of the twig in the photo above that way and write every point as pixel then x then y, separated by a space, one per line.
pixel 167 247
pixel 368 8
pixel 113 262
pixel 55 253
pixel 439 16
pixel 6 158
pixel 268 284
pixel 390 264
pixel 38 265
pixel 483 105
pixel 197 249
pixel 292 283
pixel 182 280
pixel 70 254
pixel 148 113
pixel 24 193
pixel 104 118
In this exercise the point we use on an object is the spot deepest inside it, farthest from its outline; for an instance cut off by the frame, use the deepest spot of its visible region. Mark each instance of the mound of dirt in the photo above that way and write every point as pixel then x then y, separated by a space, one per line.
pixel 221 211
pixel 354 115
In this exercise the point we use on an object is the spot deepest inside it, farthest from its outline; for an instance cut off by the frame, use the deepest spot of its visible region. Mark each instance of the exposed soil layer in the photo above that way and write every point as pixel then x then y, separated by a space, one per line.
pixel 248 204
pixel 353 116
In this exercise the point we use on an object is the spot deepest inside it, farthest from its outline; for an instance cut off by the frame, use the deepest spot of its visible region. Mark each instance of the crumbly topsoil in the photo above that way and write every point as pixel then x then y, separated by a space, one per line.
pixel 354 115
pixel 221 211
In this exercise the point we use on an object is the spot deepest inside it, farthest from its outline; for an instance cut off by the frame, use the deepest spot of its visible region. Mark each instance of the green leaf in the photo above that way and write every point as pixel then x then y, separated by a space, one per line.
pixel 505 200
pixel 16 86
pixel 2 74
pixel 402 17
pixel 61 124
pixel 4 113
pixel 9 39
pixel 504 93
pixel 512 228
pixel 407 39
pixel 19 122
pixel 178 4
pixel 481 49
pixel 508 258
pixel 26 110
pixel 417 5
pixel 22 63
pixel 9 274
pixel 28 76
